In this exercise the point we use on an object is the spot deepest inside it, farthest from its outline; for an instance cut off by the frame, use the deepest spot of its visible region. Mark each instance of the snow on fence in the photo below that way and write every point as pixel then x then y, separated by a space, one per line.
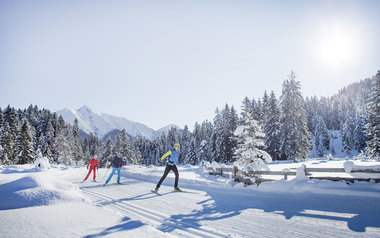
pixel 348 173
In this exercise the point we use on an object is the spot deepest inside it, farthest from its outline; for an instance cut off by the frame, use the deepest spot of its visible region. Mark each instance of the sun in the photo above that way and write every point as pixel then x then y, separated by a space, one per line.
pixel 336 46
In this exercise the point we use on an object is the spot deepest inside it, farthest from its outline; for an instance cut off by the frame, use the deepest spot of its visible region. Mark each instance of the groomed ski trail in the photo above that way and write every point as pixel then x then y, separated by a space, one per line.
pixel 154 218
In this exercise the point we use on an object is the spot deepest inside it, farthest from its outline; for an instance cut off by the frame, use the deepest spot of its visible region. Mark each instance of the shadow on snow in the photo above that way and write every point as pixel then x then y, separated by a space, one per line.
pixel 365 212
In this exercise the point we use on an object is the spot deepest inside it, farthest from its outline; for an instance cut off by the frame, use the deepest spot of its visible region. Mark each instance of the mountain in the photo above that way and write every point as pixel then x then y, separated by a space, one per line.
pixel 101 123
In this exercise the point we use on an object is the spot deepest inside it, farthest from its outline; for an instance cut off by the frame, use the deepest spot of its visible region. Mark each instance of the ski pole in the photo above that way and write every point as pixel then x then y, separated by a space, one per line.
pixel 84 174
pixel 105 174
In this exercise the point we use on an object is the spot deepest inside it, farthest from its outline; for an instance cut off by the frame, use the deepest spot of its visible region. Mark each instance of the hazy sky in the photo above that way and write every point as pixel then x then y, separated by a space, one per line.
pixel 174 62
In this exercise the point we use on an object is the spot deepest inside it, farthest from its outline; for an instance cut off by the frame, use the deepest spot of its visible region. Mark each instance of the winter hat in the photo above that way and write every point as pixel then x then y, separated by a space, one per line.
pixel 177 144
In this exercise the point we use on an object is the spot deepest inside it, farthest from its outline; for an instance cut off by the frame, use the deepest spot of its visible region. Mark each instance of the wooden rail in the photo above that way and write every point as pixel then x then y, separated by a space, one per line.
pixel 256 177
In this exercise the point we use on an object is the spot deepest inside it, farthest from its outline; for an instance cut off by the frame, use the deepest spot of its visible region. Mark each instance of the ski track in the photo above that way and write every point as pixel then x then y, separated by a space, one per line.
pixel 255 227
pixel 156 219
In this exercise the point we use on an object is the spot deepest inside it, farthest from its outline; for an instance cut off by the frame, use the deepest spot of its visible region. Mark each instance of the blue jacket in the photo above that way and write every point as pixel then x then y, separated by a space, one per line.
pixel 173 159
pixel 117 162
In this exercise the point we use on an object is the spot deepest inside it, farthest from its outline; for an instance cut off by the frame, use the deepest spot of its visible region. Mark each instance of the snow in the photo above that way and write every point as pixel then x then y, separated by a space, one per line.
pixel 101 123
pixel 52 203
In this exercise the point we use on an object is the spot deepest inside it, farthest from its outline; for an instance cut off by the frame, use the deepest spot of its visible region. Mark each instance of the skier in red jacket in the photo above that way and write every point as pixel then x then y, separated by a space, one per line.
pixel 94 165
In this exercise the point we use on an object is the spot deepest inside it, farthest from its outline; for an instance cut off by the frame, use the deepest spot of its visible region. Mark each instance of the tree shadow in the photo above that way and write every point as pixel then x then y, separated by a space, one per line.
pixel 126 224
pixel 358 213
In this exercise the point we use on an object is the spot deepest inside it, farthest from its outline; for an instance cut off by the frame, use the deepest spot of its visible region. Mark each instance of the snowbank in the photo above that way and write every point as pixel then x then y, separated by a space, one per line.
pixel 36 189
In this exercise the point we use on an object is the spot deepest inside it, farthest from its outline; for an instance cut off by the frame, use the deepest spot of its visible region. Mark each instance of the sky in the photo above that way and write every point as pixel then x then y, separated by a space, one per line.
pixel 176 61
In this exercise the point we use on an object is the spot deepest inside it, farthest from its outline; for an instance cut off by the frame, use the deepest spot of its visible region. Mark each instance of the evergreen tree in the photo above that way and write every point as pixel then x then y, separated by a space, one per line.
pixel 108 153
pixel 272 127
pixel 85 149
pixel 25 152
pixel 125 148
pixel 94 146
pixel 265 108
pixel 360 137
pixel 76 143
pixel 294 133
pixel 173 136
pixel 246 109
pixel 7 143
pixel 218 147
pixel 61 151
pixel 11 117
pixel 185 144
pixel 348 133
pixel 118 144
pixel 205 150
pixel 322 139
pixel 191 157
pixel 373 125
pixel 250 139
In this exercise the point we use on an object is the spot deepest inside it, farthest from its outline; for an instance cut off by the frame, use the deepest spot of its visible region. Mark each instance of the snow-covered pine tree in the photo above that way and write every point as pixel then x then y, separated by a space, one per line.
pixel 348 133
pixel 76 143
pixel 191 155
pixel 265 108
pixel 272 127
pixel 246 109
pixel 94 146
pixel 256 110
pixel 25 151
pixel 250 139
pixel 61 151
pixel 7 143
pixel 85 149
pixel 217 138
pixel 294 133
pixel 136 155
pixel 107 154
pixel 185 144
pixel 125 149
pixel 173 136
pixel 204 150
pixel 118 144
pixel 311 106
pixel 321 134
pixel 232 124
pixel 360 136
pixel 373 125
pixel 11 117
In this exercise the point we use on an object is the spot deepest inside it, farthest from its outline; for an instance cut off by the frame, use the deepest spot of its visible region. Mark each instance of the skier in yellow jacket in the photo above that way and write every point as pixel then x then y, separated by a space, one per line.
pixel 171 166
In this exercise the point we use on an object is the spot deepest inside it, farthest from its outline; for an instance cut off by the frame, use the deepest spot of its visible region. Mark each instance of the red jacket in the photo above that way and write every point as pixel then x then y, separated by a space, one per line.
pixel 93 163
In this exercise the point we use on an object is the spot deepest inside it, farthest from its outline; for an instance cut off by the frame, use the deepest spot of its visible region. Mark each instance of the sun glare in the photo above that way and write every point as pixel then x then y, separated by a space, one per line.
pixel 336 47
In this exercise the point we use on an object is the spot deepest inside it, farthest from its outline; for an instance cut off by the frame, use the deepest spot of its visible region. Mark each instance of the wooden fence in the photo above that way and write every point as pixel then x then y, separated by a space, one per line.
pixel 333 174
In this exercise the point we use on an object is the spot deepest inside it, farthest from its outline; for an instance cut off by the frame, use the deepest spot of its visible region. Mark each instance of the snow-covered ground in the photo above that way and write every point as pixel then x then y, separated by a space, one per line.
pixel 53 203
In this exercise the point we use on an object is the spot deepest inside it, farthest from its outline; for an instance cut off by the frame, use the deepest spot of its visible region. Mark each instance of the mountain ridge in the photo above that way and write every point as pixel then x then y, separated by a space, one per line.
pixel 100 124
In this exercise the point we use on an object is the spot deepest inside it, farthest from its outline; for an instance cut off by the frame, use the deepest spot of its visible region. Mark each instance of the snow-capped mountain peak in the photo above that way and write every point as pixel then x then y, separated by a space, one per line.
pixel 101 123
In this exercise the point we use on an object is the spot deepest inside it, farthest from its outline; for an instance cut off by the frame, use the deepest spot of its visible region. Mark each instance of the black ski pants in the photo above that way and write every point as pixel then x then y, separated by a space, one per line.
pixel 167 170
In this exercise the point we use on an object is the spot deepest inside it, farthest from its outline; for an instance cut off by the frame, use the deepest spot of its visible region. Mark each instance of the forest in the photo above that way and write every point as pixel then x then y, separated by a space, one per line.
pixel 287 127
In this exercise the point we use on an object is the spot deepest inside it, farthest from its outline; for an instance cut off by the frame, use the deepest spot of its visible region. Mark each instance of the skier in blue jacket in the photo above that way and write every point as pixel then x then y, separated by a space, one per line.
pixel 170 166
pixel 116 164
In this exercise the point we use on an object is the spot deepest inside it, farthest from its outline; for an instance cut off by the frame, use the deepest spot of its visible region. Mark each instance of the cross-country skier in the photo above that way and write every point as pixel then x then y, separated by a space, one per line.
pixel 116 164
pixel 94 165
pixel 171 166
